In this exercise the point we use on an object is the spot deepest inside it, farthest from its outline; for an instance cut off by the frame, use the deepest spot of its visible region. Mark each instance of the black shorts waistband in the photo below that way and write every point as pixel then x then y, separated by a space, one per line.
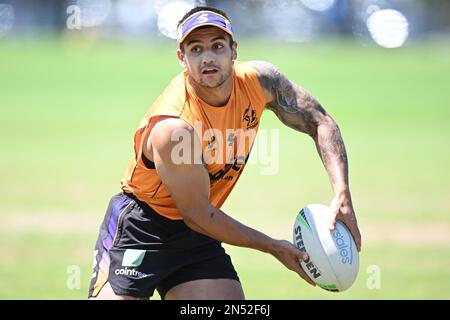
pixel 151 213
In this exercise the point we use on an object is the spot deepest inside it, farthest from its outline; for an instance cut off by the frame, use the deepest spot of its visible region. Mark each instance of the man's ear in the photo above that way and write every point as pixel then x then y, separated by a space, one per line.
pixel 180 56
pixel 234 50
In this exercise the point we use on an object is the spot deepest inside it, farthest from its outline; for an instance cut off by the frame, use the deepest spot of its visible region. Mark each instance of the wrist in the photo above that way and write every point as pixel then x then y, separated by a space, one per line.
pixel 343 199
pixel 271 246
pixel 342 192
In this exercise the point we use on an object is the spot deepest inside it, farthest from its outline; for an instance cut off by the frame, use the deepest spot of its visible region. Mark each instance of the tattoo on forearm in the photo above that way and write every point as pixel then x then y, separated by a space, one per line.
pixel 333 144
pixel 332 152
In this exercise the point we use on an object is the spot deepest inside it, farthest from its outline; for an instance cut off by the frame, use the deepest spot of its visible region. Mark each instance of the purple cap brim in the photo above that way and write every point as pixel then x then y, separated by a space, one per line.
pixel 203 18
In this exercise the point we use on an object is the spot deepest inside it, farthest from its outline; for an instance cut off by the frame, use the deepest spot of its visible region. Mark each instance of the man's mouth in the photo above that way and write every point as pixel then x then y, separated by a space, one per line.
pixel 211 70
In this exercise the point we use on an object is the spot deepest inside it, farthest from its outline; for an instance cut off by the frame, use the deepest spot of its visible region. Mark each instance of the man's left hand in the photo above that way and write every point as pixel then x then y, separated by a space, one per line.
pixel 342 209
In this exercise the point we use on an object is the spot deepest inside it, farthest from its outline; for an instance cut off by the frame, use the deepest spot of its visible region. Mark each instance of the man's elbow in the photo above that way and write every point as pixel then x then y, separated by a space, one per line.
pixel 327 122
pixel 324 125
pixel 194 223
pixel 192 215
pixel 189 216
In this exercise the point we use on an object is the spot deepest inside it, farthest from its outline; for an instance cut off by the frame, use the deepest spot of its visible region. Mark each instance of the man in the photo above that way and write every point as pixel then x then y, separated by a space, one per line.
pixel 164 231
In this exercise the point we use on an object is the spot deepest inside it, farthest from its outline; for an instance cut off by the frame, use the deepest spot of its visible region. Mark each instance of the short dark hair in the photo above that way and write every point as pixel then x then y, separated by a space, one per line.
pixel 202 8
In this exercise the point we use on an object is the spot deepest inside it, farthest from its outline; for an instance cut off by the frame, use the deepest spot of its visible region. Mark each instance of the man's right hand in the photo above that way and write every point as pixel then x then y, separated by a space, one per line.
pixel 290 257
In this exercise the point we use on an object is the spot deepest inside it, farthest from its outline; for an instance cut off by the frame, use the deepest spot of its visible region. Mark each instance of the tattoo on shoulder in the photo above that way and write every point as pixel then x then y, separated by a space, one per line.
pixel 293 105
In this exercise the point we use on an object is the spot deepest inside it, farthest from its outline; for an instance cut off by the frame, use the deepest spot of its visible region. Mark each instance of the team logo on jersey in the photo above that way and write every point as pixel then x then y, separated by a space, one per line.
pixel 250 117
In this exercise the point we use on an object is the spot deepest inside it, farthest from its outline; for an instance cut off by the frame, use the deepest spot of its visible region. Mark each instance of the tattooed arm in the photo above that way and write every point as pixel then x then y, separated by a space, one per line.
pixel 297 109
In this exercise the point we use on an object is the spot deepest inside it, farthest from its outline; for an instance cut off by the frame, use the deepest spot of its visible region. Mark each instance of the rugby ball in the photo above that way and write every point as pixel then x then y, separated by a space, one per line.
pixel 333 258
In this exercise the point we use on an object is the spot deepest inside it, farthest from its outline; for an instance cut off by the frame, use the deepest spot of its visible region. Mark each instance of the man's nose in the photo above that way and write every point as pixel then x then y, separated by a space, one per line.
pixel 208 58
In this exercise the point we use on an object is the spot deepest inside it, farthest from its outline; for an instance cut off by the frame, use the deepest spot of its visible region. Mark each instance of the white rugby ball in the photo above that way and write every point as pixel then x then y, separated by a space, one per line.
pixel 333 258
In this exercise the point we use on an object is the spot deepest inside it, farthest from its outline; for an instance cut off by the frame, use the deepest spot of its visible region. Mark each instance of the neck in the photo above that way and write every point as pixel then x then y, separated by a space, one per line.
pixel 216 97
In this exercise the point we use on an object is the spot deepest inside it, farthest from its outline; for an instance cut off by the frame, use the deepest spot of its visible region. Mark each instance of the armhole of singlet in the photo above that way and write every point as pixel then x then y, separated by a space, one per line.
pixel 149 164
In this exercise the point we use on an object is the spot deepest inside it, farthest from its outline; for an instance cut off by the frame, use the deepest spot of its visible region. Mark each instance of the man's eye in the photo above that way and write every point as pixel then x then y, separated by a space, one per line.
pixel 196 49
pixel 218 46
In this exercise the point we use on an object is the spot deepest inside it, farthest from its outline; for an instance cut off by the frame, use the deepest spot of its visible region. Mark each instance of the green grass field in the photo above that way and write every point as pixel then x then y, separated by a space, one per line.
pixel 68 111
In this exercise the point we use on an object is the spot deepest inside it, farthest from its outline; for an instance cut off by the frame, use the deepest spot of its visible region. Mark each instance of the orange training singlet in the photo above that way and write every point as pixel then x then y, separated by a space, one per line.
pixel 225 149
